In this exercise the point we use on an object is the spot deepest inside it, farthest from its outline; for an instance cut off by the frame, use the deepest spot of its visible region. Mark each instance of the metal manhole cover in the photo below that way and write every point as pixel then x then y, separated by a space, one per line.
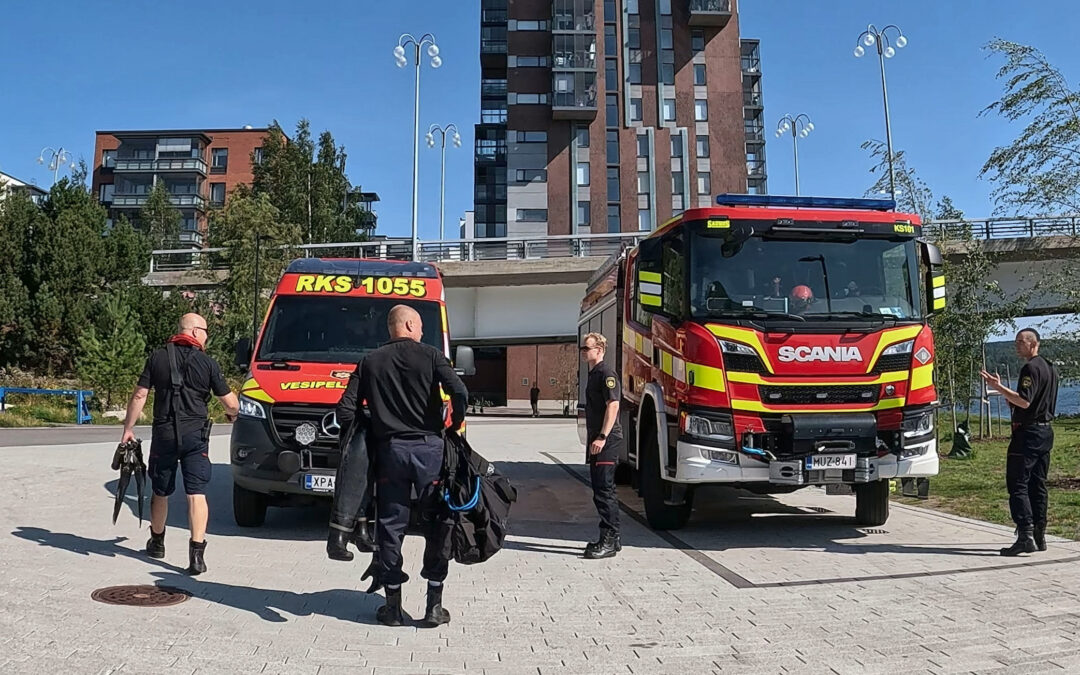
pixel 818 509
pixel 866 531
pixel 140 596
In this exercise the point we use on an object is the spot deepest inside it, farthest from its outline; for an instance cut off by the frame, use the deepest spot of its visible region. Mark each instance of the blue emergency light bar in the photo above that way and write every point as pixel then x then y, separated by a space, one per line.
pixel 806 202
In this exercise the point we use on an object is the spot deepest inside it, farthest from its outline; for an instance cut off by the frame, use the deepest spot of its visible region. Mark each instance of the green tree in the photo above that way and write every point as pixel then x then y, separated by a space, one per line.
pixel 912 194
pixel 160 219
pixel 110 359
pixel 17 216
pixel 1040 170
pixel 126 254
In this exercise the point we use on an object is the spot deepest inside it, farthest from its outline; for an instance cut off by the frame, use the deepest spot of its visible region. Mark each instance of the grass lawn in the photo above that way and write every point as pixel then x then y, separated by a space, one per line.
pixel 976 487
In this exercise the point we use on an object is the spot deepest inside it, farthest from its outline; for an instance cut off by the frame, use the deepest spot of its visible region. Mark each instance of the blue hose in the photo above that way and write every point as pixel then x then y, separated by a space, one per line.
pixel 471 504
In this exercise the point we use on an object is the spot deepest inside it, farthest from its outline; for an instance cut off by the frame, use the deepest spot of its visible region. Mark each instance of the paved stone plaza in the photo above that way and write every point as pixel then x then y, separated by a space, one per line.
pixel 754 584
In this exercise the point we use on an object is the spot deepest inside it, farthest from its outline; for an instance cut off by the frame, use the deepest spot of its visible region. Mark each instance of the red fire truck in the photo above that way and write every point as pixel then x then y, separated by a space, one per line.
pixel 325 315
pixel 772 343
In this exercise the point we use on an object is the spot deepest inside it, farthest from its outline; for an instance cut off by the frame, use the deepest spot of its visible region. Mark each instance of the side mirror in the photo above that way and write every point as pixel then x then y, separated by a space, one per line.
pixel 649 276
pixel 935 279
pixel 243 353
pixel 464 361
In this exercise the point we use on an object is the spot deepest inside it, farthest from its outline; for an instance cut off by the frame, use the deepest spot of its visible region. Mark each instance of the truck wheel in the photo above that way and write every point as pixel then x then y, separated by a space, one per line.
pixel 655 490
pixel 872 503
pixel 249 508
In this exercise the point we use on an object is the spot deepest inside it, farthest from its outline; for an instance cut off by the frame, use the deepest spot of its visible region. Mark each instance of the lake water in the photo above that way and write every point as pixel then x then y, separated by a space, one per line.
pixel 1068 402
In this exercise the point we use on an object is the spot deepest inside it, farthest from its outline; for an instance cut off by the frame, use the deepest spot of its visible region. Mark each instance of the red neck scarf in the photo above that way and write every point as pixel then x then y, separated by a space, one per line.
pixel 186 341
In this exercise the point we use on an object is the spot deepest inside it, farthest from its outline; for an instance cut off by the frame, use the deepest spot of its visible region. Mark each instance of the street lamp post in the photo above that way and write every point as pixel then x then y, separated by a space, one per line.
pixel 456 139
pixel 400 58
pixel 799 125
pixel 872 37
pixel 58 158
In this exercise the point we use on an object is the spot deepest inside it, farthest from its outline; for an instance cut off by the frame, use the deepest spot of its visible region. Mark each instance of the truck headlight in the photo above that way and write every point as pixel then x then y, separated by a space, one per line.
pixel 249 407
pixel 729 347
pixel 713 430
pixel 923 426
pixel 899 348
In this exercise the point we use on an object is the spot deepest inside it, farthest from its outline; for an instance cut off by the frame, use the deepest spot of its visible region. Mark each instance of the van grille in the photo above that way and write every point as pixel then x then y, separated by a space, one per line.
pixel 284 418
pixel 818 395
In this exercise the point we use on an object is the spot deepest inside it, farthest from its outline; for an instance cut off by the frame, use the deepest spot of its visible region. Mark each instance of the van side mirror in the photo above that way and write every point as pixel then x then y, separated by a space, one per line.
pixel 464 361
pixel 935 279
pixel 243 353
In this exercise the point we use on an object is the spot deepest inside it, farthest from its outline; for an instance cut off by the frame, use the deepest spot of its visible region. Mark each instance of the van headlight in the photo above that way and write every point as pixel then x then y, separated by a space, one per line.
pixel 899 348
pixel 710 429
pixel 249 407
pixel 923 426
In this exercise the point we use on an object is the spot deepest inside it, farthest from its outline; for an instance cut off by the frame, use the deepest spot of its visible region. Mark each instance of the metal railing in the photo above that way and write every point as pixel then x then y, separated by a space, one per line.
pixel 567 246
pixel 185 164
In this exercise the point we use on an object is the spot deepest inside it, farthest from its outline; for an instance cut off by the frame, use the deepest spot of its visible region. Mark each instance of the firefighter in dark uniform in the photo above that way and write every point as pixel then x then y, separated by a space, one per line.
pixel 400 382
pixel 605 443
pixel 1034 405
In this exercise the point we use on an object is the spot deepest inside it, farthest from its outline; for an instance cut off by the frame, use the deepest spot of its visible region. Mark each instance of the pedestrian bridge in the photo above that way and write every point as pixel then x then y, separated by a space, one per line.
pixel 527 290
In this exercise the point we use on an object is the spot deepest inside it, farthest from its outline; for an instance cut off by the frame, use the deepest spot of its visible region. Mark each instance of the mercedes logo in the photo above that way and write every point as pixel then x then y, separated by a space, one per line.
pixel 330 425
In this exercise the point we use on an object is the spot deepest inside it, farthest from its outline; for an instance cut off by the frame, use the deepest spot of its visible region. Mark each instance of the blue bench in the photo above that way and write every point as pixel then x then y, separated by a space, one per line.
pixel 82 396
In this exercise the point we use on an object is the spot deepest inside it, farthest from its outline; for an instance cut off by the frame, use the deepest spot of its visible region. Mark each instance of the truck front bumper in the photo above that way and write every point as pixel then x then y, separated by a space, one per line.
pixel 695 465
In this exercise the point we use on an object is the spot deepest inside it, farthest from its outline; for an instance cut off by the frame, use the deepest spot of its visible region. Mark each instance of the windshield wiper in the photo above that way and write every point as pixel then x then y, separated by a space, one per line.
pixel 755 313
pixel 864 315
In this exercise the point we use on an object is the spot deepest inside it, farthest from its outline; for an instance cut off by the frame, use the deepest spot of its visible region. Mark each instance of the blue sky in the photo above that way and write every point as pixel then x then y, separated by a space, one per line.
pixel 69 68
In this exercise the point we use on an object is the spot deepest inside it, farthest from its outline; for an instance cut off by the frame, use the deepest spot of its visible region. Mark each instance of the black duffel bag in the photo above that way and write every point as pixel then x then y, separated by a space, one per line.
pixel 477 499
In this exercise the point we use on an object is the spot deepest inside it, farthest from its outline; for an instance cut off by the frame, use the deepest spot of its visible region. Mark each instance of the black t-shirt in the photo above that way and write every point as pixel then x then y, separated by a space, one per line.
pixel 601 388
pixel 400 383
pixel 1038 385
pixel 202 377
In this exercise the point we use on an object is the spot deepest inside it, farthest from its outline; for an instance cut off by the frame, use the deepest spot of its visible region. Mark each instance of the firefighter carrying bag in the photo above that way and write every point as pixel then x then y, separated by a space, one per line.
pixel 477 499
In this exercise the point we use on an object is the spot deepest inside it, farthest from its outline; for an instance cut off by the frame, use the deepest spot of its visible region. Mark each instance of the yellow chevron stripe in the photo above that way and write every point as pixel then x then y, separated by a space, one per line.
pixel 939 281
pixel 922 377
pixel 650 277
pixel 754 378
pixel 257 394
pixel 705 377
pixel 939 303
pixel 756 406
pixel 891 337
pixel 651 300
pixel 745 335
pixel 665 362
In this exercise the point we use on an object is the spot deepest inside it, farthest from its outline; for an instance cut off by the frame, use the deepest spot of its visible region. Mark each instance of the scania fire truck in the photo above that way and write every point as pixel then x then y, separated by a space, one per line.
pixel 324 316
pixel 772 343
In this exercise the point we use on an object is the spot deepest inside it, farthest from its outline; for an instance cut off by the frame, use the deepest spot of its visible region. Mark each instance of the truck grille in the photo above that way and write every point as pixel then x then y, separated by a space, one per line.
pixel 286 417
pixel 818 394
pixel 892 363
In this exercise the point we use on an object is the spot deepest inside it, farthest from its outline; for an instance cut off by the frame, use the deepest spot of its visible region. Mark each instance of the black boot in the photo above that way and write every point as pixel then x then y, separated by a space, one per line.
pixel 1025 543
pixel 337 545
pixel 609 546
pixel 196 562
pixel 1040 536
pixel 435 614
pixel 390 613
pixel 155 545
pixel 362 537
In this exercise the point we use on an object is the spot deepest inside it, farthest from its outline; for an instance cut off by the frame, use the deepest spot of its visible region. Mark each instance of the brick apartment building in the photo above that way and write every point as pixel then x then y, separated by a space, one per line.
pixel 608 116
pixel 199 168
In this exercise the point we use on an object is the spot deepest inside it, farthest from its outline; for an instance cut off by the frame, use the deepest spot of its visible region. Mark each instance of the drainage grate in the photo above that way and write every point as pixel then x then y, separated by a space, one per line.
pixel 871 531
pixel 818 509
pixel 140 596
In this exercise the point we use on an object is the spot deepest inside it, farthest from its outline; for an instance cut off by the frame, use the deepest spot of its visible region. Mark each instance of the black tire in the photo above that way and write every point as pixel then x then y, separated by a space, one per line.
pixel 654 489
pixel 872 503
pixel 249 508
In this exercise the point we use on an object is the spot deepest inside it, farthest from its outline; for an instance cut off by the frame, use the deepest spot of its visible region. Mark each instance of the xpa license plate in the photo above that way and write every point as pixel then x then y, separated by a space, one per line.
pixel 317 483
pixel 818 462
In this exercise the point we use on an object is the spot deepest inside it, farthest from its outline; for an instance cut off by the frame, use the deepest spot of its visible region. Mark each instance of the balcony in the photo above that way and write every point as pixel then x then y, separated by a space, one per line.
pixel 191 237
pixel 755 133
pixel 573 52
pixel 138 200
pixel 189 164
pixel 755 168
pixel 573 16
pixel 710 13
pixel 751 99
pixel 573 95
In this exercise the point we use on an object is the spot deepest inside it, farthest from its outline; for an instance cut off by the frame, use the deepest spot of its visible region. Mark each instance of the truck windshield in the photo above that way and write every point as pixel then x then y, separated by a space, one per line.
pixel 804 279
pixel 336 329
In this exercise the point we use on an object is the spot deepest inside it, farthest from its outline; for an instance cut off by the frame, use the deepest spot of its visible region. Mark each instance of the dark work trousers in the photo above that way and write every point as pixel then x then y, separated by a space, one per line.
pixel 602 477
pixel 1026 467
pixel 353 483
pixel 405 464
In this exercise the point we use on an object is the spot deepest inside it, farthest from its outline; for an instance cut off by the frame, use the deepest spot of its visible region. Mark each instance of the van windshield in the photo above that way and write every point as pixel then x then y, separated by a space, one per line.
pixel 331 329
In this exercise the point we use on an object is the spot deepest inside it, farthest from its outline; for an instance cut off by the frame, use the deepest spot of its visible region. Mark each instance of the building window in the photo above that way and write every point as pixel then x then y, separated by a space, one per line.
pixel 610 11
pixel 611 45
pixel 531 25
pixel 677 205
pixel 699 73
pixel 584 216
pixel 644 219
pixel 257 156
pixel 669 110
pixel 702 147
pixel 613 184
pixel 635 110
pixel 704 183
pixel 611 74
pixel 676 145
pixel 643 182
pixel 642 146
pixel 583 137
pixel 530 99
pixel 583 174
pixel 612 110
pixel 217 194
pixel 532 215
pixel 613 147
pixel 701 110
pixel 665 39
pixel 697 41
pixel 633 39
pixel 631 6
pixel 108 159
pixel 219 160
pixel 613 223
pixel 665 7
pixel 106 193
pixel 531 175
pixel 532 137
pixel 667 73
pixel 532 62
pixel 677 185
pixel 635 73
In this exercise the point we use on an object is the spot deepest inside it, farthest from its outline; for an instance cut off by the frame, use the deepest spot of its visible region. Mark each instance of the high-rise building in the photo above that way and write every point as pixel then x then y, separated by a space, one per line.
pixel 612 115
pixel 198 167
